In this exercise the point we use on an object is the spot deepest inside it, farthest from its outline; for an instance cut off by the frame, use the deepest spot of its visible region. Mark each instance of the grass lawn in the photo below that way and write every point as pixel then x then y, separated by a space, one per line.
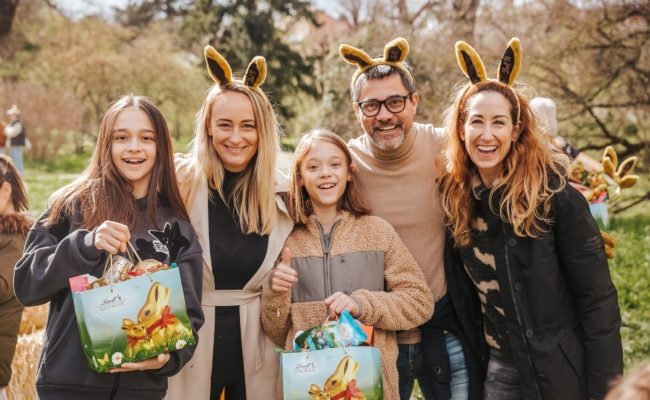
pixel 41 184
pixel 630 268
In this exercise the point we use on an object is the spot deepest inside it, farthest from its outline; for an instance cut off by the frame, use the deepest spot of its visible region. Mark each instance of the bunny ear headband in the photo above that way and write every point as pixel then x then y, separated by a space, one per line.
pixel 221 73
pixel 395 53
pixel 470 63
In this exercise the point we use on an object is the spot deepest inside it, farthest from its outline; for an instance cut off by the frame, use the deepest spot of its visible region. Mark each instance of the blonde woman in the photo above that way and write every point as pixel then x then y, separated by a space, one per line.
pixel 524 257
pixel 229 185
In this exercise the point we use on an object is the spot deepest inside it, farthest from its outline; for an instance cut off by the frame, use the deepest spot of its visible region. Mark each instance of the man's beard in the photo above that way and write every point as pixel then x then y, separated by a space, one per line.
pixel 388 144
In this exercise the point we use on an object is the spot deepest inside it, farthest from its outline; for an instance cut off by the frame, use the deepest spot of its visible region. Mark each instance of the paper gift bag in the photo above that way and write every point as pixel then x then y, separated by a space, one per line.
pixel 336 373
pixel 132 320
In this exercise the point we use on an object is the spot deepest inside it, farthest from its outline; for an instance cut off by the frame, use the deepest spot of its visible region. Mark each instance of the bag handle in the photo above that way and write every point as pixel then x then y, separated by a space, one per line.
pixel 135 253
pixel 132 250
pixel 108 264
pixel 131 254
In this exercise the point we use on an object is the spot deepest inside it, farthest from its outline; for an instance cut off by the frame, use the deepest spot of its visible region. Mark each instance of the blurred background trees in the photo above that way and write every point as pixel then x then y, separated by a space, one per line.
pixel 63 68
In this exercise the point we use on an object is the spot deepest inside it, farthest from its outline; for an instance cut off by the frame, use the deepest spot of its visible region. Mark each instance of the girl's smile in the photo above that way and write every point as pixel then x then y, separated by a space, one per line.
pixel 324 174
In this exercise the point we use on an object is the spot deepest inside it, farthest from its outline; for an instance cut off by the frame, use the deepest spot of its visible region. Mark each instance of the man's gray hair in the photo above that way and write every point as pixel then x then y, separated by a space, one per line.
pixel 380 72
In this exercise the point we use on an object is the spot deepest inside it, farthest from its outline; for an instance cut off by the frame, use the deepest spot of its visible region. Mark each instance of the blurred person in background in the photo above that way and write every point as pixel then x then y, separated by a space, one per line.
pixel 545 111
pixel 16 138
pixel 14 226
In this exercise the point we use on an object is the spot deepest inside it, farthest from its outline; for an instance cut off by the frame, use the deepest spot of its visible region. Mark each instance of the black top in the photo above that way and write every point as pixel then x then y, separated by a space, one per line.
pixel 235 256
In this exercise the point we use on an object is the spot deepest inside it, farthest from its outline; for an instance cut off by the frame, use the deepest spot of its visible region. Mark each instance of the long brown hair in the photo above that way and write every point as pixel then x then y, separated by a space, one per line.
pixel 8 173
pixel 254 193
pixel 101 193
pixel 299 206
pixel 532 172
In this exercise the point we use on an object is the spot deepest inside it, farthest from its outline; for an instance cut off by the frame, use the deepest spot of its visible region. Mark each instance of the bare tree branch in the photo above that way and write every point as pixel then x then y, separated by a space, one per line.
pixel 632 203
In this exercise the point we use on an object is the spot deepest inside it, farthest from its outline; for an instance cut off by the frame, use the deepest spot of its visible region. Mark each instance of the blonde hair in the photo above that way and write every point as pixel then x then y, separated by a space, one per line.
pixel 532 172
pixel 253 196
pixel 299 204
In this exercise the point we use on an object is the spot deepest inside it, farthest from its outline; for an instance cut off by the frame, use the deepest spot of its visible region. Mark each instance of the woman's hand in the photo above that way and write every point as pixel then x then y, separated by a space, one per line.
pixel 283 276
pixel 338 302
pixel 112 237
pixel 151 363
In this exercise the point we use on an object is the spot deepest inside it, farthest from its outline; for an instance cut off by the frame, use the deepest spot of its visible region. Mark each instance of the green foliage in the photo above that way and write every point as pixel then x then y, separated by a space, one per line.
pixel 71 163
pixel 64 73
pixel 242 29
pixel 289 144
pixel 41 183
pixel 631 274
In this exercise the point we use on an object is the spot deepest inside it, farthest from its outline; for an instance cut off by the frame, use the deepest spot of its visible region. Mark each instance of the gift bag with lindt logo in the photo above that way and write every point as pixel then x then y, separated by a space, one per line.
pixel 131 313
pixel 332 368
pixel 333 373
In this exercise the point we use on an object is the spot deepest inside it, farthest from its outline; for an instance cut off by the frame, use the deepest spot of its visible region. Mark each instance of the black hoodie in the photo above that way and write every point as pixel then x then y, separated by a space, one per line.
pixel 42 275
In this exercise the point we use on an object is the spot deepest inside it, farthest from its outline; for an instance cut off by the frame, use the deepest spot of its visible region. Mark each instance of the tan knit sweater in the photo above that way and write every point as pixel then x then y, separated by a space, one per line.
pixel 406 303
pixel 400 188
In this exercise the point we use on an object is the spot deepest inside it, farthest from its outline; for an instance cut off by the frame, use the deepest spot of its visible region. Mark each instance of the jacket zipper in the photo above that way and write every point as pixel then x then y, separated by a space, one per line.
pixel 517 313
pixel 326 257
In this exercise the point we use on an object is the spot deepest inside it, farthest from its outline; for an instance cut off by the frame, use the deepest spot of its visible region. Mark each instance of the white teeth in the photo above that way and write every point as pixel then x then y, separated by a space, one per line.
pixel 133 161
pixel 326 186
pixel 486 148
pixel 387 128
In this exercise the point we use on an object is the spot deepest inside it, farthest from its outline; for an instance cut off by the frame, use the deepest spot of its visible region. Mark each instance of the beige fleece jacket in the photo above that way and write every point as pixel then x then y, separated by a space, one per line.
pixel 406 302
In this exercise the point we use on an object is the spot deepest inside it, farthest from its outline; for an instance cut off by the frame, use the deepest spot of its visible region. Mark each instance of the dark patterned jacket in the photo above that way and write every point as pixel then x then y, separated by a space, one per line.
pixel 560 304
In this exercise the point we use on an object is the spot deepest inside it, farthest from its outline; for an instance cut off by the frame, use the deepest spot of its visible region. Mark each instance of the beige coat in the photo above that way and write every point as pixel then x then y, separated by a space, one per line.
pixel 260 358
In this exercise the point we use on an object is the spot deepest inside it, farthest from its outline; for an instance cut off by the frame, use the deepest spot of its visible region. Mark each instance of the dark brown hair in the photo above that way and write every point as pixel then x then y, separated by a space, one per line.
pixel 101 193
pixel 8 173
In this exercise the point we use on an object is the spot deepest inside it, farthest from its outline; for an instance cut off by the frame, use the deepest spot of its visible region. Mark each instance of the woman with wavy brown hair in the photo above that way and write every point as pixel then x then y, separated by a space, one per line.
pixel 524 257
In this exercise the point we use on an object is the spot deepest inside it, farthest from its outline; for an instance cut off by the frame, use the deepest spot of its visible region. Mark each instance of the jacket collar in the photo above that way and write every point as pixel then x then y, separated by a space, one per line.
pixel 16 223
pixel 314 226
pixel 478 188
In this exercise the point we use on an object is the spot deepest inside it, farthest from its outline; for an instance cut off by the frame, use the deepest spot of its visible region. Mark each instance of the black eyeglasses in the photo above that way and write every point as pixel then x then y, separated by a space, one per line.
pixel 394 104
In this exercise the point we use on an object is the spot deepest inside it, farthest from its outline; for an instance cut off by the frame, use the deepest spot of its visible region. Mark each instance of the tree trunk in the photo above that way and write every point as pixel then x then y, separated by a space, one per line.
pixel 7 13
pixel 464 18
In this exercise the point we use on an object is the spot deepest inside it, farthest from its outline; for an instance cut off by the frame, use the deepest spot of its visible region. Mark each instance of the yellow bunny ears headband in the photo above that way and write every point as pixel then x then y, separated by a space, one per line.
pixel 221 73
pixel 472 66
pixel 395 53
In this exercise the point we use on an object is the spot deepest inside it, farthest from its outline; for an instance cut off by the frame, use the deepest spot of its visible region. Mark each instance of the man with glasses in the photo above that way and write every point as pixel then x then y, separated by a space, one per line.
pixel 398 163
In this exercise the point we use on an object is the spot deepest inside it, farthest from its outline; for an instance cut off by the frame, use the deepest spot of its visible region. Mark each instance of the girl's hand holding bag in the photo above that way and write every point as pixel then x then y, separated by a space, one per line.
pixel 131 314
